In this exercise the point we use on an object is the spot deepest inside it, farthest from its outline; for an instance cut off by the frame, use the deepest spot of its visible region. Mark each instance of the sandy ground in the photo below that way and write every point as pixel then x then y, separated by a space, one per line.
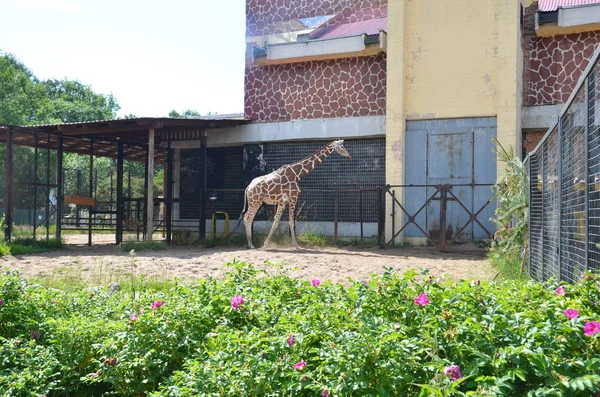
pixel 101 264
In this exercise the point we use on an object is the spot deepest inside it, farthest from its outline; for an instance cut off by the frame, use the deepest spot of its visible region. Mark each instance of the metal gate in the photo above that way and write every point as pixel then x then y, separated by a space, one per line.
pixel 450 168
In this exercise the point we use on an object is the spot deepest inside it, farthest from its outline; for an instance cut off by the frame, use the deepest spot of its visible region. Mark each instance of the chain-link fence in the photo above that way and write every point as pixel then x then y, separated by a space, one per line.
pixel 564 188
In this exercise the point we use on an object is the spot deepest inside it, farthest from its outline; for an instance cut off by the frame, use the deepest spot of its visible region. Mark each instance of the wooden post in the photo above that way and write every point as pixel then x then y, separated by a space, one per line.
pixel 59 187
pixel 168 194
pixel 91 192
pixel 119 205
pixel 8 207
pixel 150 181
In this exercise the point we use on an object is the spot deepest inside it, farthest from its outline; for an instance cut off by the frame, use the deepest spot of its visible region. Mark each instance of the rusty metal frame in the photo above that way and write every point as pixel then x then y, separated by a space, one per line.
pixel 444 190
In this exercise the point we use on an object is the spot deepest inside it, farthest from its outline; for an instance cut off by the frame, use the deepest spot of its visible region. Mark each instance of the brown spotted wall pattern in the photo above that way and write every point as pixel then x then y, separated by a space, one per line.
pixel 347 87
pixel 553 65
pixel 265 17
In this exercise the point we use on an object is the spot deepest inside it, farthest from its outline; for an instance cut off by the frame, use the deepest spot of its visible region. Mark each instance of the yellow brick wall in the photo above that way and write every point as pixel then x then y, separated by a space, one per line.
pixel 450 59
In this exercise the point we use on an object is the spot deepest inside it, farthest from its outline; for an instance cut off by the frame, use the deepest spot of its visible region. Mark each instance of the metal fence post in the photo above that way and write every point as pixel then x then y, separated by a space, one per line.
pixel 91 191
pixel 543 232
pixel 587 172
pixel 335 216
pixel 560 199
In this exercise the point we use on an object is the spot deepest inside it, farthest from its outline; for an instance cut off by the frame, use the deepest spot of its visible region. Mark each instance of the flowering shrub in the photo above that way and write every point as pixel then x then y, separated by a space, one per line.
pixel 391 335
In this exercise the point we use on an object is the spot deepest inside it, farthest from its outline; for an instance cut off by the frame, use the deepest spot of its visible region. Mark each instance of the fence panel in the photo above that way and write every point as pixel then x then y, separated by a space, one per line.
pixel 565 215
pixel 536 262
pixel 573 222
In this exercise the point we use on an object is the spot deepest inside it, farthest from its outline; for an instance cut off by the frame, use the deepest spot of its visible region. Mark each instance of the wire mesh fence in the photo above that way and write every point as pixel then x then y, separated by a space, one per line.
pixel 564 188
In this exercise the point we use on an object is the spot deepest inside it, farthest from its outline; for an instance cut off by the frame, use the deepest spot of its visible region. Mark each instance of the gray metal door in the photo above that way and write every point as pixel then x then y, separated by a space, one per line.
pixel 458 153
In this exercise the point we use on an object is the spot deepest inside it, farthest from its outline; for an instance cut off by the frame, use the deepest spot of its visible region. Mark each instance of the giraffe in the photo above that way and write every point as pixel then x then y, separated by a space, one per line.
pixel 281 187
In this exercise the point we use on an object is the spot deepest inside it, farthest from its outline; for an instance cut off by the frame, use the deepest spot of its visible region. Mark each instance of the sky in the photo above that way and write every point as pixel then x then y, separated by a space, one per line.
pixel 153 56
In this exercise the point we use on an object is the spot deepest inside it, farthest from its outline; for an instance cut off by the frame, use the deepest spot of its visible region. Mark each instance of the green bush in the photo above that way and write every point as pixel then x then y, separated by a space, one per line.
pixel 508 251
pixel 139 246
pixel 392 335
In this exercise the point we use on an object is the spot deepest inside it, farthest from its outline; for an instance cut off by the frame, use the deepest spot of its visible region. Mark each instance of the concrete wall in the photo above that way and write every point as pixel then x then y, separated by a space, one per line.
pixel 336 128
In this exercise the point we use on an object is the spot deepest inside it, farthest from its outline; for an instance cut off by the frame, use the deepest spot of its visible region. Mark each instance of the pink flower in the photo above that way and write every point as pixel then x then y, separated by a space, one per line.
pixel 316 283
pixel 591 328
pixel 325 393
pixel 237 301
pixel 141 311
pixel 157 304
pixel 133 317
pixel 571 313
pixel 422 300
pixel 303 379
pixel 1 302
pixel 560 290
pixel 300 365
pixel 453 372
pixel 34 334
pixel 291 339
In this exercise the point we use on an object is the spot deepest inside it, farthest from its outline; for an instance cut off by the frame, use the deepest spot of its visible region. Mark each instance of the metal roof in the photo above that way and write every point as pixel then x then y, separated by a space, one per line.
pixel 369 27
pixel 553 5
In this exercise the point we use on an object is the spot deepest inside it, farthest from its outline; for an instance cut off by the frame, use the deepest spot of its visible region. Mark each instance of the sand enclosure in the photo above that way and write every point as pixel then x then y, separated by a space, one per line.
pixel 103 263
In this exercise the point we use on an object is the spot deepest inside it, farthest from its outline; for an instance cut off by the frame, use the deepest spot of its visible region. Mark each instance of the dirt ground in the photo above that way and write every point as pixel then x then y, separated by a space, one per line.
pixel 100 264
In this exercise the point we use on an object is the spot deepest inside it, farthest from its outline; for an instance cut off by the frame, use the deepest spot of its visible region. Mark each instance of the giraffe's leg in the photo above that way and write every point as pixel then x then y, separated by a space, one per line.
pixel 292 211
pixel 280 209
pixel 248 219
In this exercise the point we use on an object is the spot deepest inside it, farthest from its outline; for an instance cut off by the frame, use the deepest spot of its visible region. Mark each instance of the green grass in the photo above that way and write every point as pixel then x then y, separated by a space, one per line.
pixel 139 246
pixel 27 246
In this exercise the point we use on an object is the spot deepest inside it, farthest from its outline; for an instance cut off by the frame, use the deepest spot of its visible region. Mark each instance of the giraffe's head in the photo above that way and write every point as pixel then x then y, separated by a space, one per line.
pixel 338 146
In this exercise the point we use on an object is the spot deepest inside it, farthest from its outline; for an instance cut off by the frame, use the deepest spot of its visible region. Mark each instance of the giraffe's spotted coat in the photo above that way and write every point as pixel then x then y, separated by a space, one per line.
pixel 281 188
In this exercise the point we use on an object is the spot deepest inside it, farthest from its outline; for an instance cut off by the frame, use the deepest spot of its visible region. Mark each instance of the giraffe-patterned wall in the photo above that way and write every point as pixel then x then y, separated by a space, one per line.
pixel 553 65
pixel 264 17
pixel 347 87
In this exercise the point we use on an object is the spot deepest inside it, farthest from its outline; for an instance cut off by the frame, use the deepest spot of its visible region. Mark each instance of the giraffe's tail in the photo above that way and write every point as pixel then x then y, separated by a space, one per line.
pixel 245 202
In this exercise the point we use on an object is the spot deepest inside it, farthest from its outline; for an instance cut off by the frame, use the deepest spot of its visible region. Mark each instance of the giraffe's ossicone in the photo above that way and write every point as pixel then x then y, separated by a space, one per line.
pixel 281 188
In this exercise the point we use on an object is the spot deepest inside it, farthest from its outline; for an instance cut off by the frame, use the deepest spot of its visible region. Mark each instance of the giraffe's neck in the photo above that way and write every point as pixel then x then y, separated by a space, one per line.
pixel 303 167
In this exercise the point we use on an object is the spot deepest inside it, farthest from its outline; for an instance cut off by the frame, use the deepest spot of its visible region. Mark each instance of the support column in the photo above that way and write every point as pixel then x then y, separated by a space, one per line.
pixel 395 117
pixel 8 210
pixel 176 182
pixel 150 186
pixel 91 191
pixel 202 197
pixel 119 204
pixel 59 186
pixel 169 192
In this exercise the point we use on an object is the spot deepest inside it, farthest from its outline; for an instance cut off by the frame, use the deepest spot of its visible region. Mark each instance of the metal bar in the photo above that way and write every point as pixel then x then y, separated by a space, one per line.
pixel 586 168
pixel 8 212
pixel 35 191
pixel 393 214
pixel 529 198
pixel 560 199
pixel 91 189
pixel 202 220
pixel 543 155
pixel 443 203
pixel 360 208
pixel 381 218
pixel 59 187
pixel 119 204
pixel 335 217
pixel 78 192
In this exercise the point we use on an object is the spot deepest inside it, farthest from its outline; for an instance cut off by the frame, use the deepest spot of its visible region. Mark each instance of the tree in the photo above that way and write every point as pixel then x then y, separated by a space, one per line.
pixel 186 113
pixel 25 100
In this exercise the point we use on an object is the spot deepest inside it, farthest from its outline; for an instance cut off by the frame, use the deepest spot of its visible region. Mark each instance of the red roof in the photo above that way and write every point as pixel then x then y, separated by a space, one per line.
pixel 370 27
pixel 553 5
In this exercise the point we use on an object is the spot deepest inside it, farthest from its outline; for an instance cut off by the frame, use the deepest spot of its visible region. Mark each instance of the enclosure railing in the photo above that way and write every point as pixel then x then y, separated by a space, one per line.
pixel 564 187
pixel 360 212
